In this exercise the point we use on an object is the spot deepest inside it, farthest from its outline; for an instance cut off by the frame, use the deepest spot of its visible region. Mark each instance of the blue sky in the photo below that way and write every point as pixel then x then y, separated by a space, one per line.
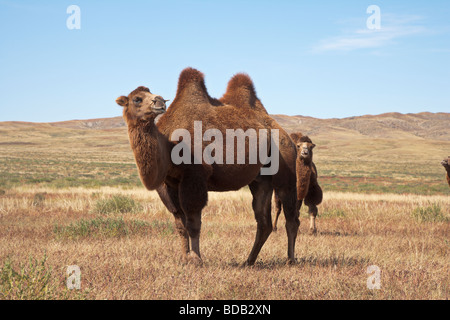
pixel 312 58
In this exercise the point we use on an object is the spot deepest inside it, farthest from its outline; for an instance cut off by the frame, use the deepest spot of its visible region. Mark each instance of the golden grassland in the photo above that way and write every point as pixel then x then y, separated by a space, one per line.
pixel 72 196
pixel 134 253
pixel 59 157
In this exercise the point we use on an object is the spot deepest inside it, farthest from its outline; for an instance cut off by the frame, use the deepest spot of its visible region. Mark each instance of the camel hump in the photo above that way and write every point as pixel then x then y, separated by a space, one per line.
pixel 240 92
pixel 241 81
pixel 192 81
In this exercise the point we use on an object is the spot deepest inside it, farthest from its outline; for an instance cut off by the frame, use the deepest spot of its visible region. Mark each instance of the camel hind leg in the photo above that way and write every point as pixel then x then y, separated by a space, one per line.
pixel 291 209
pixel 313 198
pixel 262 191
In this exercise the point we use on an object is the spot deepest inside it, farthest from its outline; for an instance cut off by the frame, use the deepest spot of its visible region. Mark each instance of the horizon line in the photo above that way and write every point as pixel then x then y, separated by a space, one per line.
pixel 270 114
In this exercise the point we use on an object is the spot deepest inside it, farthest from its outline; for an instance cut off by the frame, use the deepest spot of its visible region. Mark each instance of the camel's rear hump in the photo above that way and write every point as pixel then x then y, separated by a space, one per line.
pixel 241 92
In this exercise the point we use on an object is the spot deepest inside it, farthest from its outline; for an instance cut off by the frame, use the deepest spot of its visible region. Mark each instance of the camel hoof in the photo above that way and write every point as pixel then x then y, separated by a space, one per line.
pixel 291 262
pixel 274 229
pixel 184 258
pixel 194 259
pixel 247 264
pixel 313 232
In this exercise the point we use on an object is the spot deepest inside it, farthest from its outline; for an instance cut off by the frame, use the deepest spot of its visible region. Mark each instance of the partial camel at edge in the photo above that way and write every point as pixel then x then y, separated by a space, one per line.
pixel 446 164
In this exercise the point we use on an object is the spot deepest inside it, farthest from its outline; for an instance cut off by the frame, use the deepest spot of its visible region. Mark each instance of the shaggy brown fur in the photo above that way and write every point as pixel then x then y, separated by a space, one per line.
pixel 138 89
pixel 240 92
pixel 304 167
pixel 446 164
pixel 308 188
pixel 183 188
pixel 295 136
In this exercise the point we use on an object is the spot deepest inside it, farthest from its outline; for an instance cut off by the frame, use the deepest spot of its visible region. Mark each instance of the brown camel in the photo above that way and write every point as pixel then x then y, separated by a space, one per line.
pixel 183 187
pixel 446 164
pixel 308 188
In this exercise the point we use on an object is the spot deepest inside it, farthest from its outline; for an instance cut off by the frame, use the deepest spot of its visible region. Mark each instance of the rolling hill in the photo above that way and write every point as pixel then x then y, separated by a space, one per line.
pixel 389 152
pixel 388 125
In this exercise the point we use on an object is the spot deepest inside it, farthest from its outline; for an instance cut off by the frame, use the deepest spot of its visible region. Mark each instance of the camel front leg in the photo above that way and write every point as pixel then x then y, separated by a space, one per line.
pixel 278 212
pixel 169 196
pixel 312 219
pixel 180 226
pixel 193 225
pixel 193 195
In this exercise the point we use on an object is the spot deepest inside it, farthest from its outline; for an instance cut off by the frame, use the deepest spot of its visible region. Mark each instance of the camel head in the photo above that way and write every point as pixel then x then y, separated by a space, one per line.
pixel 141 104
pixel 446 163
pixel 295 137
pixel 305 147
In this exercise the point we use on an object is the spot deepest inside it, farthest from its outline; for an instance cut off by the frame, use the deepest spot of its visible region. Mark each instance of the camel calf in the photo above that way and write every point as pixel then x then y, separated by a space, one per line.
pixel 308 188
pixel 446 164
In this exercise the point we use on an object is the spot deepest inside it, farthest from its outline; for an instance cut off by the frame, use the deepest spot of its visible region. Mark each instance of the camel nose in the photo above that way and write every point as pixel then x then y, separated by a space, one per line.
pixel 159 104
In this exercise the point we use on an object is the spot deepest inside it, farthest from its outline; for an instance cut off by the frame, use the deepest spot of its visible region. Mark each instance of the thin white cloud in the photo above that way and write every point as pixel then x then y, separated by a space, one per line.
pixel 392 28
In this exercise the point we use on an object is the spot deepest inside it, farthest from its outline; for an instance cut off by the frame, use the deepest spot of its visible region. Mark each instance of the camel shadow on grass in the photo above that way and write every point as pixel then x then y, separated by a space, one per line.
pixel 336 233
pixel 312 261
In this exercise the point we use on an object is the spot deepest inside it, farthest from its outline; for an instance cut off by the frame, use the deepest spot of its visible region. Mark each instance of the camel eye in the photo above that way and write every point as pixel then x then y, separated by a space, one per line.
pixel 137 100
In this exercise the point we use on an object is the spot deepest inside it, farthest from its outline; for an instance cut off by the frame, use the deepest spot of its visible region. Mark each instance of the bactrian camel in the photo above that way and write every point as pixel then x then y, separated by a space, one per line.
pixel 183 188
pixel 308 188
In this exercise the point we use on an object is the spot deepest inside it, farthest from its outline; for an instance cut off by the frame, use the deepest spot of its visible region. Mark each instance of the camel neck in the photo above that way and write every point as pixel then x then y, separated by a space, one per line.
pixel 306 162
pixel 151 152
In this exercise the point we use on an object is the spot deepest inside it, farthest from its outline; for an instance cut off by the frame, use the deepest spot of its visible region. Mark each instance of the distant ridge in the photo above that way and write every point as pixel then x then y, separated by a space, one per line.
pixel 100 123
pixel 426 125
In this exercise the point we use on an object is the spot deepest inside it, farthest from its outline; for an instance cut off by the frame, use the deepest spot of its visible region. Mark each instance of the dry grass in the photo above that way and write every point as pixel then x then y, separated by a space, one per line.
pixel 139 258
pixel 72 196
pixel 64 157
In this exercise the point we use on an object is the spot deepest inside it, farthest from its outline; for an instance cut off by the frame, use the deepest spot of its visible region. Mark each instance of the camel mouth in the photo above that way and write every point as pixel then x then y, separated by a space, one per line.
pixel 444 162
pixel 155 111
pixel 159 110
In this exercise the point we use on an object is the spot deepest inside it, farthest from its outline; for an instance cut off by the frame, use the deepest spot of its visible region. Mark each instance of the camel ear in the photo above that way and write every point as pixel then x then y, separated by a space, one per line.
pixel 295 137
pixel 122 101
